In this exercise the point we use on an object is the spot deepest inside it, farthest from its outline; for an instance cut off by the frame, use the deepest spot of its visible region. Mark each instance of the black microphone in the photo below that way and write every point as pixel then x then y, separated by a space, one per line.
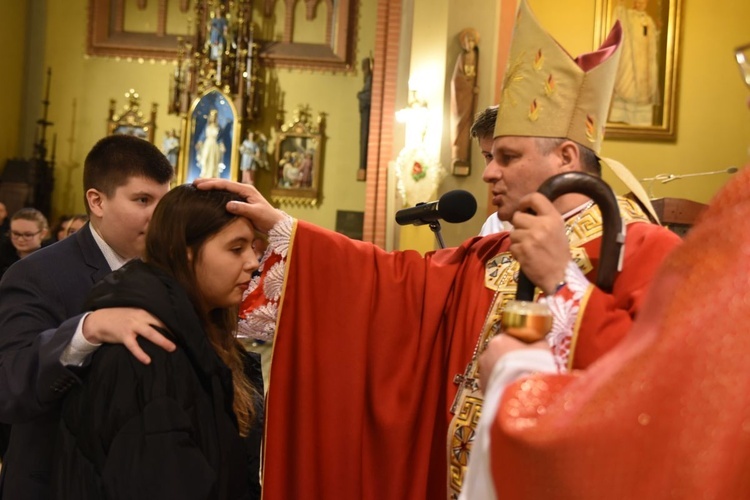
pixel 454 206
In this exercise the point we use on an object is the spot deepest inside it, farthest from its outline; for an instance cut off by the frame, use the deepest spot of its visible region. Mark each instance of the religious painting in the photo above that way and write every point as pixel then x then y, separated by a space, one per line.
pixel 297 170
pixel 644 99
pixel 212 139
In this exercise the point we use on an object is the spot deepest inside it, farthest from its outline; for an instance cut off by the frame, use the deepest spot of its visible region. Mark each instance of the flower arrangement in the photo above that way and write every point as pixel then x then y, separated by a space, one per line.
pixel 418 174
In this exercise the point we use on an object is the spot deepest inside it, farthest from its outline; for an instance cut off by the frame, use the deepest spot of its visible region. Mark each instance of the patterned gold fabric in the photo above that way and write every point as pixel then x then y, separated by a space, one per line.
pixel 501 273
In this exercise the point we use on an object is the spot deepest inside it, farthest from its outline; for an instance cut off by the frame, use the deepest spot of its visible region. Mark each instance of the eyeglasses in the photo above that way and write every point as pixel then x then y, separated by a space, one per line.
pixel 23 236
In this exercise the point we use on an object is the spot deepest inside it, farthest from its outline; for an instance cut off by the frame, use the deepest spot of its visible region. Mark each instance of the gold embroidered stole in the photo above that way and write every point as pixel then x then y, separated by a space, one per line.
pixel 501 275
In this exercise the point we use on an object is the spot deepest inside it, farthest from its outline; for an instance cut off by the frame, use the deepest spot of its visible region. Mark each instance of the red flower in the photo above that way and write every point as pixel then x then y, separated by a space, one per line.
pixel 417 172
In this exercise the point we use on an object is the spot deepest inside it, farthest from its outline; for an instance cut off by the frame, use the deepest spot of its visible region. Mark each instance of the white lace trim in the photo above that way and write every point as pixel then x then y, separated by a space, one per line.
pixel 254 282
pixel 565 309
pixel 274 281
pixel 576 280
pixel 259 323
pixel 280 235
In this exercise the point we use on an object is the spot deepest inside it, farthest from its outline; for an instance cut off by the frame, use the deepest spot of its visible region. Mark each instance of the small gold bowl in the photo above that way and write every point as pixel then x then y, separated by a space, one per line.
pixel 526 321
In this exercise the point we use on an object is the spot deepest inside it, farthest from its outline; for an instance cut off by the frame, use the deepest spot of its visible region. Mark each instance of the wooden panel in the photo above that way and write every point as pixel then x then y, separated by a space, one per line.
pixel 677 210
pixel 15 195
pixel 107 35
pixel 336 52
pixel 678 214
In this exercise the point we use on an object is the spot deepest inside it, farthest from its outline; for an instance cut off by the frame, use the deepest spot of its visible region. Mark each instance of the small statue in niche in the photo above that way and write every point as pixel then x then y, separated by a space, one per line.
pixel 254 155
pixel 210 149
pixel 464 92
pixel 171 147
pixel 217 34
pixel 365 100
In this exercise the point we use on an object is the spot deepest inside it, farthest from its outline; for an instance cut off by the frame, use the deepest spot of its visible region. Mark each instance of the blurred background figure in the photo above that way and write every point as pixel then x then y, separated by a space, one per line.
pixel 28 227
pixel 171 147
pixel 4 221
pixel 75 223
pixel 57 232
pixel 249 152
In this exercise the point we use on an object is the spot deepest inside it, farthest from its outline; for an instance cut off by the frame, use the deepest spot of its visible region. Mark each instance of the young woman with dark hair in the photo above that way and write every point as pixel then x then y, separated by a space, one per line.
pixel 187 425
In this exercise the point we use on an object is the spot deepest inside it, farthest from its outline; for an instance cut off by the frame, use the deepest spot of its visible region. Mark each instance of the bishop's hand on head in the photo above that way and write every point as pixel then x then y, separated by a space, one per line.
pixel 257 209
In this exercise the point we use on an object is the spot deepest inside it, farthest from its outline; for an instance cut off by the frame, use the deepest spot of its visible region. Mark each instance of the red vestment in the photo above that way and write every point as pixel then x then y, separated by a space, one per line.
pixel 667 413
pixel 366 349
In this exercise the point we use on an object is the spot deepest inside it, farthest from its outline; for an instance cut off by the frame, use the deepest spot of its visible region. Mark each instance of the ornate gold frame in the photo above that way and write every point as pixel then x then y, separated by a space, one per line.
pixel 335 52
pixel 131 121
pixel 668 16
pixel 297 172
pixel 107 35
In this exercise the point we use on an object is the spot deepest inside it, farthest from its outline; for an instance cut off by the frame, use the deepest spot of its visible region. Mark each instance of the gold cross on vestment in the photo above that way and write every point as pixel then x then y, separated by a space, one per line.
pixel 464 380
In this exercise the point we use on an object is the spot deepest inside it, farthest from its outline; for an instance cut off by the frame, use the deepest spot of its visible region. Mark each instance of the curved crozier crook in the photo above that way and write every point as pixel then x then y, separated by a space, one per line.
pixel 613 236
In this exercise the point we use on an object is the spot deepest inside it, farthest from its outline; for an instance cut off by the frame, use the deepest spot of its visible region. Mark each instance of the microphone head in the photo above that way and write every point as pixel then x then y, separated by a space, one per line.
pixel 457 206
pixel 731 170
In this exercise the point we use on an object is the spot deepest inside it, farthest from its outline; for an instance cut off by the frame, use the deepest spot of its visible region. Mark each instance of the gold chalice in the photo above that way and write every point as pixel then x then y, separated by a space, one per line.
pixel 526 321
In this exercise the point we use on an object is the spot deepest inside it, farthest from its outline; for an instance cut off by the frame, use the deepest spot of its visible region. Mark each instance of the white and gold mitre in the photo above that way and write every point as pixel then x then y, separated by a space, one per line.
pixel 547 93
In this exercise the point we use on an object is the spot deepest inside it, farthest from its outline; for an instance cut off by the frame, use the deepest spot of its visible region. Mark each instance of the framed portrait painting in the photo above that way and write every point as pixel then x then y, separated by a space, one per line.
pixel 644 98
pixel 297 172
pixel 212 139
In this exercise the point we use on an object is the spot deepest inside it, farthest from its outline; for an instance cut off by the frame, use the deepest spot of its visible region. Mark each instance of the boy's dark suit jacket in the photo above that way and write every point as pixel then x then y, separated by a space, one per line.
pixel 41 297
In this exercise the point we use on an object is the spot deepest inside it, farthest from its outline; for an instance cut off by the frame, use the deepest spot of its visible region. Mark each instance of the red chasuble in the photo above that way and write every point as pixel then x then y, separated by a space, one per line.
pixel 608 317
pixel 366 350
pixel 666 414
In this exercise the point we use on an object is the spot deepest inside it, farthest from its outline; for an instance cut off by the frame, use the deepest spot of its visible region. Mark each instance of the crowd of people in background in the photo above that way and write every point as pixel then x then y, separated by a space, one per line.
pixel 28 230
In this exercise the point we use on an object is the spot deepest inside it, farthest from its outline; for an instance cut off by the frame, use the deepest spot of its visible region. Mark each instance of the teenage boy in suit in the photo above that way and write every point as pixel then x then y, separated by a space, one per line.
pixel 46 338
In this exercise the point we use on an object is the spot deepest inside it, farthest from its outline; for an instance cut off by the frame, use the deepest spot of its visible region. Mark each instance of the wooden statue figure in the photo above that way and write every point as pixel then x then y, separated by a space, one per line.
pixel 365 100
pixel 463 100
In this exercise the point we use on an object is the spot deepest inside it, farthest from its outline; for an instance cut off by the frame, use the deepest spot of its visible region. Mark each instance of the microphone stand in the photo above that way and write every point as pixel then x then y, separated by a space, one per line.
pixel 435 227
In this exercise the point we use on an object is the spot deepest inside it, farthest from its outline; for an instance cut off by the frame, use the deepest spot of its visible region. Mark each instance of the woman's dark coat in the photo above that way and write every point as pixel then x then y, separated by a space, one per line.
pixel 163 430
